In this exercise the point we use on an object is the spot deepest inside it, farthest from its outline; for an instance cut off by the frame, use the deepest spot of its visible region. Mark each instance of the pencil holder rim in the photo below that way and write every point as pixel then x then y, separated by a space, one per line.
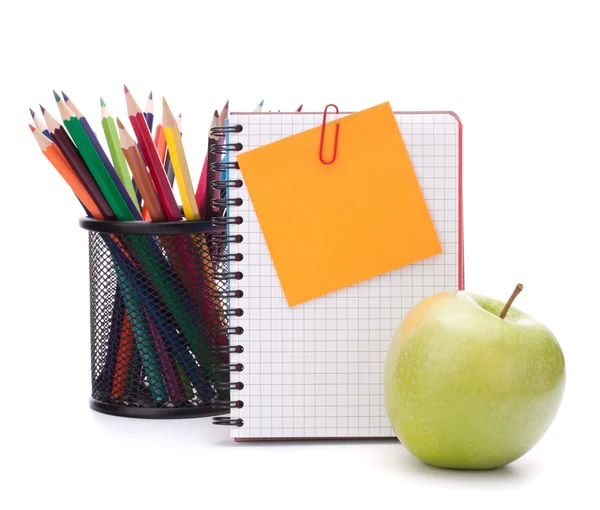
pixel 149 227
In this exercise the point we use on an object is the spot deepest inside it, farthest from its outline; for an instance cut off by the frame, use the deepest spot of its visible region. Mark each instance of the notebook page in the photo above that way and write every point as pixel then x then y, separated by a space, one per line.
pixel 316 370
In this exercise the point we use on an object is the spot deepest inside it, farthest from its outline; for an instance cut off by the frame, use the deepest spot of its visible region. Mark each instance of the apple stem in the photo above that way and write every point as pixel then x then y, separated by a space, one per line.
pixel 515 293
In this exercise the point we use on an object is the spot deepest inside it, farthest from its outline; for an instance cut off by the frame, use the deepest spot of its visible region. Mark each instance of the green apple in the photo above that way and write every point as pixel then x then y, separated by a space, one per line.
pixel 467 389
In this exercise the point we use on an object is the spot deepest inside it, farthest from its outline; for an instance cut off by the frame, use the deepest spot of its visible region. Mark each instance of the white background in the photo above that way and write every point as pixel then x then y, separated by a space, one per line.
pixel 523 78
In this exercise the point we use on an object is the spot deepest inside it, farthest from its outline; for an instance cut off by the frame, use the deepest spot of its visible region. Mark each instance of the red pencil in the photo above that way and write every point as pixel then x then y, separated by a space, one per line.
pixel 157 170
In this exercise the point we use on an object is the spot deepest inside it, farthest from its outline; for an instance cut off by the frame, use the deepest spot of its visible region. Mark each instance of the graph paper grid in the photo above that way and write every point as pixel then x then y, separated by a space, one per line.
pixel 316 370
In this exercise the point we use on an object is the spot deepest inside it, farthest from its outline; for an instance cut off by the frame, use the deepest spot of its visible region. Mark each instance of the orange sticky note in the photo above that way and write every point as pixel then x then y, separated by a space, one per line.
pixel 331 226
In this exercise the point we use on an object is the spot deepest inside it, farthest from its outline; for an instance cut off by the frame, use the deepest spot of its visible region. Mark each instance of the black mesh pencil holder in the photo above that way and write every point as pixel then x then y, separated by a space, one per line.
pixel 160 307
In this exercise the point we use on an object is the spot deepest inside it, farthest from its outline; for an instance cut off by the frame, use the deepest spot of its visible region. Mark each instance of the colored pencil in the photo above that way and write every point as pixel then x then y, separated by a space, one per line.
pixel 180 165
pixel 201 191
pixel 127 276
pixel 149 112
pixel 260 106
pixel 161 148
pixel 94 163
pixel 212 141
pixel 53 154
pixel 136 163
pixel 39 123
pixel 160 142
pixel 168 161
pixel 96 154
pixel 112 138
pixel 56 157
pixel 223 117
pixel 169 168
pixel 152 160
pixel 124 357
pixel 63 141
pixel 299 109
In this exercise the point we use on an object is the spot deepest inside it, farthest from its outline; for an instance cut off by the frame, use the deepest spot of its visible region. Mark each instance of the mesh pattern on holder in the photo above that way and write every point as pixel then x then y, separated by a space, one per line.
pixel 159 323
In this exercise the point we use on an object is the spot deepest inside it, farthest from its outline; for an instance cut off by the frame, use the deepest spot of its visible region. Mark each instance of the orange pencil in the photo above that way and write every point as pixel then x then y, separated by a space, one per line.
pixel 160 142
pixel 123 358
pixel 53 154
pixel 140 174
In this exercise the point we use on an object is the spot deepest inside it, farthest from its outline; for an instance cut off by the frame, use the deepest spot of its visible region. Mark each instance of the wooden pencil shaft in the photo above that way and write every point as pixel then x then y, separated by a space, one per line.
pixel 98 170
pixel 182 175
pixel 112 138
pixel 145 183
pixel 169 168
pixel 54 156
pixel 75 160
pixel 139 324
pixel 135 212
pixel 156 168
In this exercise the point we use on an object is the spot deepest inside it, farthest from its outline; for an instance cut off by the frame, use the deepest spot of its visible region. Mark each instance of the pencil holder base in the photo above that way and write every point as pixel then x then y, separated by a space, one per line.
pixel 156 414
pixel 159 309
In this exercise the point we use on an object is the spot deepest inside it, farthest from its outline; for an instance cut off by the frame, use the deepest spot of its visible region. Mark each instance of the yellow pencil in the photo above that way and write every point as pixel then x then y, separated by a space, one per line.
pixel 180 166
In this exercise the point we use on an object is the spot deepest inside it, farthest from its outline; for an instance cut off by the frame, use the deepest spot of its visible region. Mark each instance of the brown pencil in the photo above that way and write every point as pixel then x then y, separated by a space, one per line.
pixel 140 174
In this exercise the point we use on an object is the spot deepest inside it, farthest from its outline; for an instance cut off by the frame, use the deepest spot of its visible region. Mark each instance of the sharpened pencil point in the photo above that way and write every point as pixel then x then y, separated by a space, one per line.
pixel 226 105
pixel 126 89
pixel 102 102
pixel 216 114
pixel 65 97
pixel 32 113
pixel 31 127
pixel 299 108
pixel 56 96
pixel 120 124
pixel 43 109
pixel 150 95
pixel 262 102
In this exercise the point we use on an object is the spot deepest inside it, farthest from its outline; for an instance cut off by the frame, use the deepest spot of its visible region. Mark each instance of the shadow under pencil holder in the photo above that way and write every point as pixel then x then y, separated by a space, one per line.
pixel 159 300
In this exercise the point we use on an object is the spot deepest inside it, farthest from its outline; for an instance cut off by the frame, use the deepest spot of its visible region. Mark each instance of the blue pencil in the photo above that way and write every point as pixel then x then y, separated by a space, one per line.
pixel 260 105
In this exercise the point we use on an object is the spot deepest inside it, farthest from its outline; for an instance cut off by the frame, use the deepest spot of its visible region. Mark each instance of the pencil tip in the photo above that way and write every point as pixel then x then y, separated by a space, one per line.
pixel 262 102
pixel 120 124
pixel 299 108
pixel 64 95
pixel 31 127
pixel 102 102
pixel 216 114
pixel 226 104
pixel 56 96
pixel 32 113
pixel 164 102
pixel 126 89
pixel 179 116
pixel 150 95
pixel 43 109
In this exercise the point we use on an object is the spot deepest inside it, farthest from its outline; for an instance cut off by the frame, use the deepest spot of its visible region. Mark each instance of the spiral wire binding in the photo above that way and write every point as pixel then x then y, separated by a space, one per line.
pixel 223 204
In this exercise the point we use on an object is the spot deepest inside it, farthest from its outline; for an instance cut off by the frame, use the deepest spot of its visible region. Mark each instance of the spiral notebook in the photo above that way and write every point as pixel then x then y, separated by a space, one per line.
pixel 315 370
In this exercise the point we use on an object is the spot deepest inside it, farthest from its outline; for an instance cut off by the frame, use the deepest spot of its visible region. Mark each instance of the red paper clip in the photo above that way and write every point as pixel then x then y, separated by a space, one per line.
pixel 335 142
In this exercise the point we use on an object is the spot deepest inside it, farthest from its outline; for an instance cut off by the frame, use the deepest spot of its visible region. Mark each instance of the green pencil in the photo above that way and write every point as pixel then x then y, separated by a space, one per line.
pixel 94 163
pixel 114 146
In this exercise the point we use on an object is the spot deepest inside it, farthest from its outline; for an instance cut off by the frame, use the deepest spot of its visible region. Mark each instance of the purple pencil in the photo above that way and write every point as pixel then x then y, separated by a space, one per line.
pixel 149 112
